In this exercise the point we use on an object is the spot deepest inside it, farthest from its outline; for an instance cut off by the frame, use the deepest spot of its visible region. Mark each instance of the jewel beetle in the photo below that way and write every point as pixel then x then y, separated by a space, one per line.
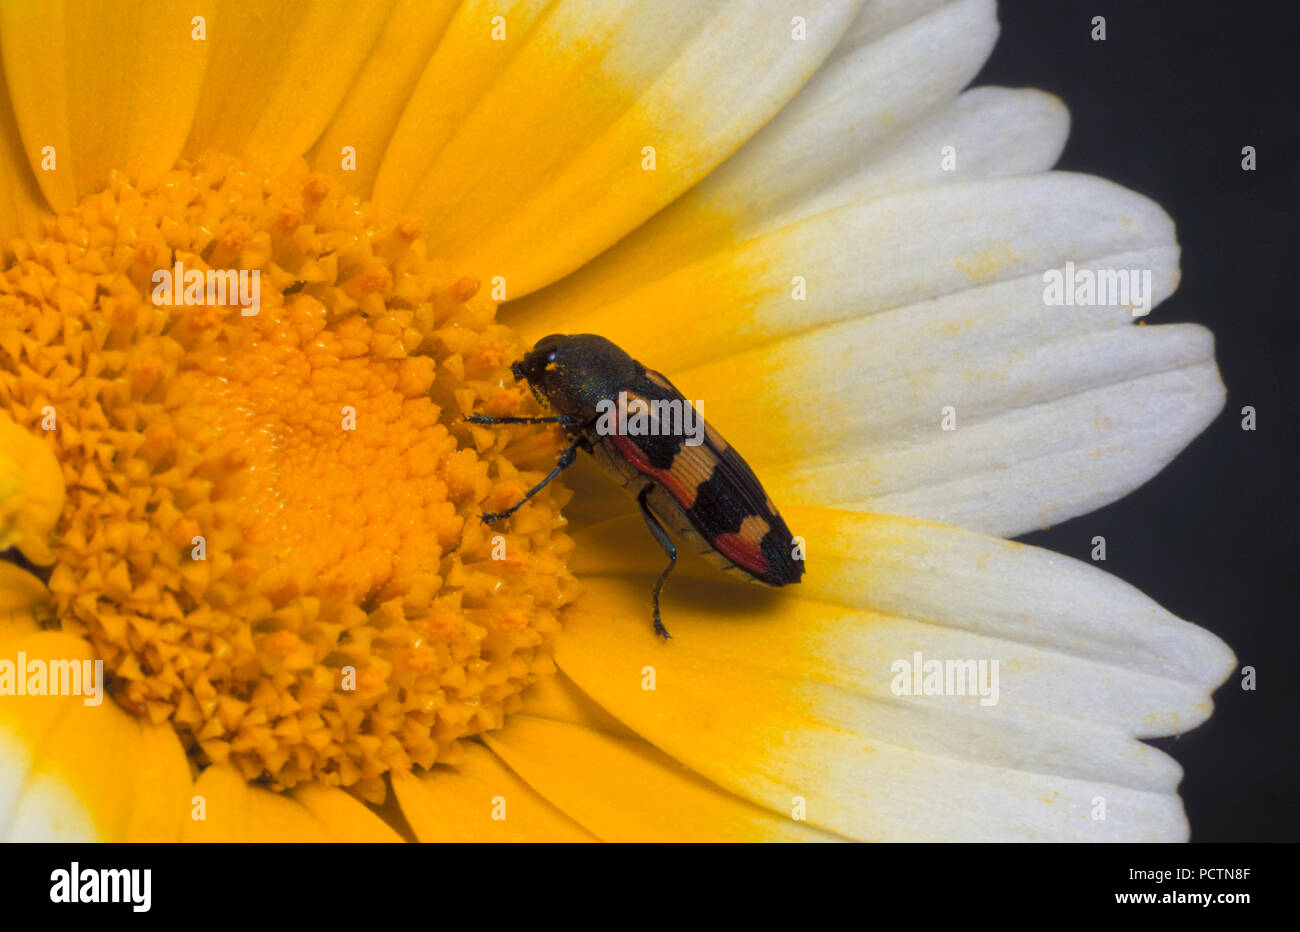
pixel 644 433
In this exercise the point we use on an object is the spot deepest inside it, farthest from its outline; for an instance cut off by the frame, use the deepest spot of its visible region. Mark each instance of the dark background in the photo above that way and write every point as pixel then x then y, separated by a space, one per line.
pixel 1164 106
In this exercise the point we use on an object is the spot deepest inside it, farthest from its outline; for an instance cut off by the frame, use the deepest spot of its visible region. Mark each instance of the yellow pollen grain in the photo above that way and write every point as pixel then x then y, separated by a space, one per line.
pixel 270 533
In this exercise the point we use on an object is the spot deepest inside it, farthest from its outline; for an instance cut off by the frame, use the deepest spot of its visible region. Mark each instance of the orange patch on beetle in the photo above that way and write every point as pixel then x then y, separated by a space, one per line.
pixel 753 529
pixel 744 548
pixel 681 489
pixel 692 467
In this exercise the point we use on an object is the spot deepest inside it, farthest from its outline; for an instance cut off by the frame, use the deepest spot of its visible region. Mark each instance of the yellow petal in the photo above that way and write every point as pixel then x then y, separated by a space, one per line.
pixel 21 200
pixel 868 258
pixel 278 71
pixel 344 817
pixel 774 694
pixel 557 697
pixel 20 594
pixel 224 807
pixel 31 492
pixel 25 724
pixel 623 789
pixel 105 87
pixel 380 91
pixel 163 786
pixel 450 84
pixel 481 800
pixel 75 771
pixel 233 810
pixel 868 123
pixel 557 133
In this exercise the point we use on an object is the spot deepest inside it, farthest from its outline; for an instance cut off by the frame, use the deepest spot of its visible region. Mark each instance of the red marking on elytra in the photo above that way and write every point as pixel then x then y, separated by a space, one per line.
pixel 636 456
pixel 743 553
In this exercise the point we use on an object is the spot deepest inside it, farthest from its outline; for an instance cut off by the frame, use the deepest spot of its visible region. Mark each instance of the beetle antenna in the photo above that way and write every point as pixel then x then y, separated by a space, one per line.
pixel 567 419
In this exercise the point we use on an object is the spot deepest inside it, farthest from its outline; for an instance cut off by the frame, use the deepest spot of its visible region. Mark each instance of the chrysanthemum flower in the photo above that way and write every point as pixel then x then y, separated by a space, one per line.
pixel 265 524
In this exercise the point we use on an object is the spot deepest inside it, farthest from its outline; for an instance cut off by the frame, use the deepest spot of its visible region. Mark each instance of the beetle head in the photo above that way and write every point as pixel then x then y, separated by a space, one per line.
pixel 574 373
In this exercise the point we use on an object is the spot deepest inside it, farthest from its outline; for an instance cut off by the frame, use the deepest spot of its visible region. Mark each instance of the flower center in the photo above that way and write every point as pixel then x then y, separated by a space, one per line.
pixel 270 533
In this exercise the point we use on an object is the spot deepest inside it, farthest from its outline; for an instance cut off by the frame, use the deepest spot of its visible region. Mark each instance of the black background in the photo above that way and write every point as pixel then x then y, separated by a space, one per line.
pixel 1164 106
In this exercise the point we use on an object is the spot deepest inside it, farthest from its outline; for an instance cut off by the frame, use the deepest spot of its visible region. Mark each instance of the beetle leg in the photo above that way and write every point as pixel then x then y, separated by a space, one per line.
pixel 669 548
pixel 567 419
pixel 567 456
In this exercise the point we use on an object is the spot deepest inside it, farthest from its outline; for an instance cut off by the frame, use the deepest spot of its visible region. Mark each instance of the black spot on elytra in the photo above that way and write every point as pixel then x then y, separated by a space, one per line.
pixel 716 507
pixel 659 449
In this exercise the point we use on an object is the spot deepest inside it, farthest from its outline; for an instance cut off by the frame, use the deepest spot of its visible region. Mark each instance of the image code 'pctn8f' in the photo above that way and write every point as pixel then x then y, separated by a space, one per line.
pixel 652 441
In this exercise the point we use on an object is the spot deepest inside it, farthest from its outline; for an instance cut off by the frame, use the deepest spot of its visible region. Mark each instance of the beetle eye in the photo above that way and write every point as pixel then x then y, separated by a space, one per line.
pixel 550 357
